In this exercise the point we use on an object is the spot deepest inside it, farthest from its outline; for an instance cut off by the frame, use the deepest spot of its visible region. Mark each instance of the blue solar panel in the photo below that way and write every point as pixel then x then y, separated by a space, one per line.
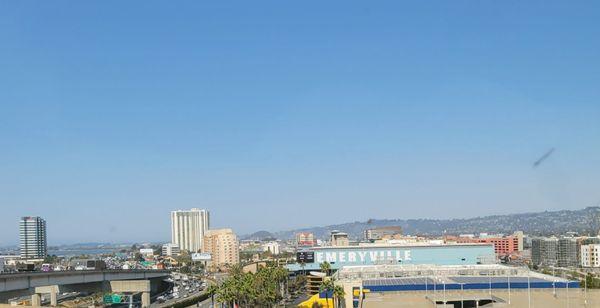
pixel 397 281
pixel 462 282
pixel 481 279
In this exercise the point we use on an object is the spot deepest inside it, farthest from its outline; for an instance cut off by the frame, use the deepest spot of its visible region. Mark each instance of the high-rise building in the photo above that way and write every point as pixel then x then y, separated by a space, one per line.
pixel 503 245
pixel 379 233
pixel 170 250
pixel 567 252
pixel 305 239
pixel 590 255
pixel 272 247
pixel 544 251
pixel 222 244
pixel 32 232
pixel 552 251
pixel 338 238
pixel 188 228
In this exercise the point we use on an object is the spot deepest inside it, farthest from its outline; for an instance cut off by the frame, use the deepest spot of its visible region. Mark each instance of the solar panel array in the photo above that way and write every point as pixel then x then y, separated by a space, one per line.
pixel 483 279
pixel 463 282
pixel 398 281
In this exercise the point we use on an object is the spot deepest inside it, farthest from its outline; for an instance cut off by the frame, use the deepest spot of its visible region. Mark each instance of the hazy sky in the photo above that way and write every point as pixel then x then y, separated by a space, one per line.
pixel 280 114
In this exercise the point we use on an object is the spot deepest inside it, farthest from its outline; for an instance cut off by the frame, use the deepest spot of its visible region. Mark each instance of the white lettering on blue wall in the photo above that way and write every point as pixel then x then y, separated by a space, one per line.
pixel 363 257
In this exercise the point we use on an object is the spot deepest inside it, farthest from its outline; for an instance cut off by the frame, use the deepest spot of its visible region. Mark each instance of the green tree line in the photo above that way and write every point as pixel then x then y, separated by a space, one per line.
pixel 264 288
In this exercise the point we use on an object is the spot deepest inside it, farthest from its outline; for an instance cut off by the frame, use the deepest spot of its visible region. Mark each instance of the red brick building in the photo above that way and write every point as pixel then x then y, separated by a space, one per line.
pixel 503 245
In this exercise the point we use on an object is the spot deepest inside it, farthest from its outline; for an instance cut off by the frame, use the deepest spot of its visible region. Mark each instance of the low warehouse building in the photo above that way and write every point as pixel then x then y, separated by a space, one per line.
pixel 458 286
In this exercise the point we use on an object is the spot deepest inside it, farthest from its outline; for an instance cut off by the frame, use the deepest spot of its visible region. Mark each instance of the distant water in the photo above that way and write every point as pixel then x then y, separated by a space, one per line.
pixel 79 252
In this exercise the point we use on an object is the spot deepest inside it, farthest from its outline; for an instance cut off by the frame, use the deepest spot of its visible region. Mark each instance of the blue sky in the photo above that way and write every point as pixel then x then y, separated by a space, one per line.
pixel 275 115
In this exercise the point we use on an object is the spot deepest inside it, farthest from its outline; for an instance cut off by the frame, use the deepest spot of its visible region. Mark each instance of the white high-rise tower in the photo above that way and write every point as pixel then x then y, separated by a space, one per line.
pixel 188 228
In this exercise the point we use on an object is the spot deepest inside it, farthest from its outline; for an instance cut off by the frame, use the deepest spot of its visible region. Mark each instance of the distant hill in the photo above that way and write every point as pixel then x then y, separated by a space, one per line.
pixel 260 235
pixel 584 221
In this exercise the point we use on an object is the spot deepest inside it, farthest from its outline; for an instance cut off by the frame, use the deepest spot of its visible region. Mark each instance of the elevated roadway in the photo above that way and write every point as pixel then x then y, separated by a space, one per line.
pixel 29 280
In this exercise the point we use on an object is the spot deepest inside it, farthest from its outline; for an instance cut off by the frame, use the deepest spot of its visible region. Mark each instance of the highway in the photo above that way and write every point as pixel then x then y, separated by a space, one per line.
pixel 182 290
pixel 204 304
pixel 207 303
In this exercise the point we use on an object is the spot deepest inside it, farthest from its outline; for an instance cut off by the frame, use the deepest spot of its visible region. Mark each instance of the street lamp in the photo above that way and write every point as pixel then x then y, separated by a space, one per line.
pixel 462 299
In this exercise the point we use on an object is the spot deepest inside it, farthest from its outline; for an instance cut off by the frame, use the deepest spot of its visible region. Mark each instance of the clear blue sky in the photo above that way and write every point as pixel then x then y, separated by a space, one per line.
pixel 280 114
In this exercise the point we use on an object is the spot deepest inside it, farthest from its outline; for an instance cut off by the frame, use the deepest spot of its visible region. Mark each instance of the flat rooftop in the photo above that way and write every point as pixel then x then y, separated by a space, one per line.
pixel 545 298
pixel 400 245
pixel 445 273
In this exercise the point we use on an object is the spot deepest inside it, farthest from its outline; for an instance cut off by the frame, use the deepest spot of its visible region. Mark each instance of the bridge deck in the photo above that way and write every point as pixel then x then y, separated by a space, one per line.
pixel 27 280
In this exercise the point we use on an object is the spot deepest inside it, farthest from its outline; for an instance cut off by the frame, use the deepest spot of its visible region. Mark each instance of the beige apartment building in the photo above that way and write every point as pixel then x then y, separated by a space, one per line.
pixel 222 244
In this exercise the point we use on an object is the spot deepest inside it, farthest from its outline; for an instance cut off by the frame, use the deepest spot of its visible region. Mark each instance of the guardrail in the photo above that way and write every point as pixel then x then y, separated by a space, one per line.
pixel 108 271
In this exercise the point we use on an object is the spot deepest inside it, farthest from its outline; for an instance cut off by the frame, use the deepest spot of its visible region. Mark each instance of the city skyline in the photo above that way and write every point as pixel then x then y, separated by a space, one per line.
pixel 285 116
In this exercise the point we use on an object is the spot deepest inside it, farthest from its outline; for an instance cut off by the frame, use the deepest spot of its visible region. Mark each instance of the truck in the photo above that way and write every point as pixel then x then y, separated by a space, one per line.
pixel 47 267
pixel 87 264
pixel 25 267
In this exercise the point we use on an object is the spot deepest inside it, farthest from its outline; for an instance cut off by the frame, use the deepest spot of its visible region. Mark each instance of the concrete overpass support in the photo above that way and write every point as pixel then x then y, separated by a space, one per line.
pixel 133 286
pixel 36 300
pixel 52 290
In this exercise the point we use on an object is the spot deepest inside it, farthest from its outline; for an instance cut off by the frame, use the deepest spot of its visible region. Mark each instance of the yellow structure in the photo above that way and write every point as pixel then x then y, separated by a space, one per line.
pixel 322 302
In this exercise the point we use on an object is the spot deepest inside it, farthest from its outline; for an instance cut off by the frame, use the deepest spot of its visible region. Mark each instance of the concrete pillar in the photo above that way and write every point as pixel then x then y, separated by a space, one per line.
pixel 53 300
pixel 36 300
pixel 53 290
pixel 133 286
pixel 145 299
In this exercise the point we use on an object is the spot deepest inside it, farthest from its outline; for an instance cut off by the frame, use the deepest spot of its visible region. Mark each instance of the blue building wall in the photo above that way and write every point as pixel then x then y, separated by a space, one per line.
pixel 368 255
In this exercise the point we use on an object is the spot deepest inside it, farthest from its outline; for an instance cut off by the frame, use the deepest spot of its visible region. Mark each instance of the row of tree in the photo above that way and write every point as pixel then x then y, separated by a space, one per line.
pixel 328 286
pixel 264 288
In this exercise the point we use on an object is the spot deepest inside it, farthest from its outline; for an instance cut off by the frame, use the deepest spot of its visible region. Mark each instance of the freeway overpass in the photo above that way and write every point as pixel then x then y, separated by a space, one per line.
pixel 28 280
pixel 17 284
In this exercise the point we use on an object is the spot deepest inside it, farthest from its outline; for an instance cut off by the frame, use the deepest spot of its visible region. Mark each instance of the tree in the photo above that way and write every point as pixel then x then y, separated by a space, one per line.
pixel 327 286
pixel 51 259
pixel 211 291
pixel 592 282
pixel 261 289
pixel 338 294
pixel 325 267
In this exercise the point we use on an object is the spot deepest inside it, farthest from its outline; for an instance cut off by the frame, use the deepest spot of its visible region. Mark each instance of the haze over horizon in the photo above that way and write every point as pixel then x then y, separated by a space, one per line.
pixel 291 115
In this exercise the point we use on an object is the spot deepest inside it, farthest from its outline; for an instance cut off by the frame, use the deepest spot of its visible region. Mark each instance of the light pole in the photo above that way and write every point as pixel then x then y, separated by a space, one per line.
pixel 568 302
pixel 508 280
pixel 462 299
pixel 585 290
pixel 444 282
pixel 528 290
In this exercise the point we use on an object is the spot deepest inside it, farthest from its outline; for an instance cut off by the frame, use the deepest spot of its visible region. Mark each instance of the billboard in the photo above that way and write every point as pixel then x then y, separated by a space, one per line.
pixel 201 256
pixel 305 257
pixel 402 254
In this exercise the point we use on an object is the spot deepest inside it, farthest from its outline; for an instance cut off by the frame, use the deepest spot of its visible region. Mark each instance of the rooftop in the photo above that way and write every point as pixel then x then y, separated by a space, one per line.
pixel 444 273
pixel 416 244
